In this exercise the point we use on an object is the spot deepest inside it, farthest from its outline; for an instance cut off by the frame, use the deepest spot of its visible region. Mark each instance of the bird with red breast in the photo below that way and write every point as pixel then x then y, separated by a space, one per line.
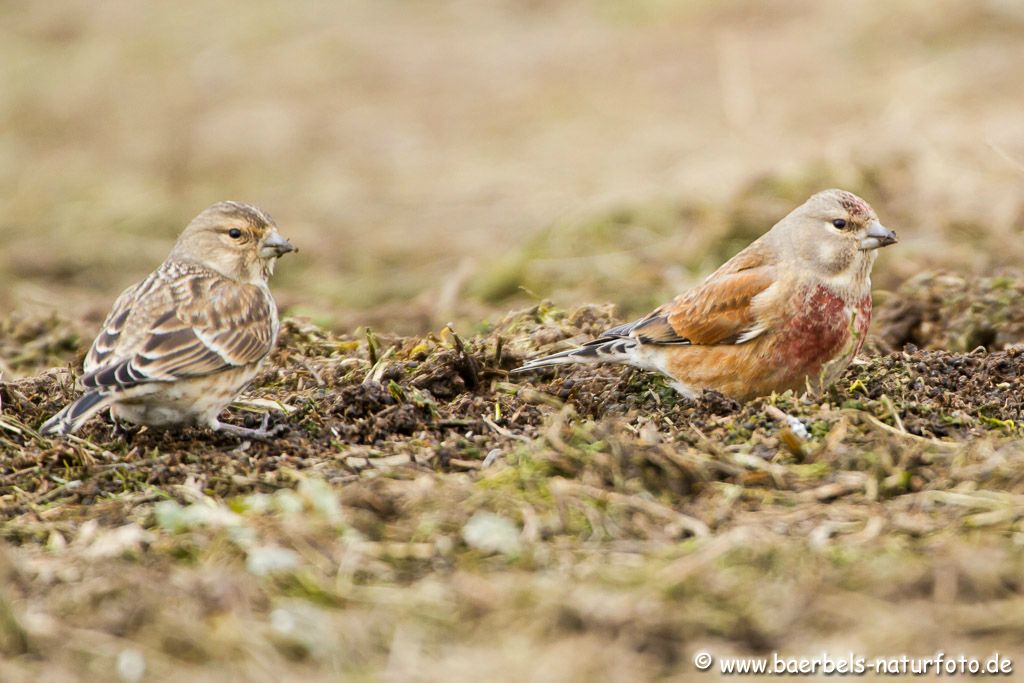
pixel 788 312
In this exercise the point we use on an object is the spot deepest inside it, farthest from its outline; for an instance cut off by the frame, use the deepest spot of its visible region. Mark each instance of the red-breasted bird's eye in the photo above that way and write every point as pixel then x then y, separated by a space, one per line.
pixel 839 223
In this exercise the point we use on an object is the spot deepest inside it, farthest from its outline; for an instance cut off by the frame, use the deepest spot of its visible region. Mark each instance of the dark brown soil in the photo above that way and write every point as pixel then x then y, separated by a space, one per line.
pixel 423 460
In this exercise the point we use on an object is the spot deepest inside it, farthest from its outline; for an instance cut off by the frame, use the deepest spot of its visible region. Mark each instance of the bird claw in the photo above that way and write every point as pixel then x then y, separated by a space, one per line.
pixel 124 430
pixel 260 434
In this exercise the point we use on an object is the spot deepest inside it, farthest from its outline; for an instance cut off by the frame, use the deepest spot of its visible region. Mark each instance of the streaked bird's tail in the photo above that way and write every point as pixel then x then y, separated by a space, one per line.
pixel 75 414
pixel 604 350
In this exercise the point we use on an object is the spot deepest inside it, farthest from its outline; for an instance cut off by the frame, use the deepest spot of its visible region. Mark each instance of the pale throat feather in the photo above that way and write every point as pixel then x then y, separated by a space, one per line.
pixel 854 281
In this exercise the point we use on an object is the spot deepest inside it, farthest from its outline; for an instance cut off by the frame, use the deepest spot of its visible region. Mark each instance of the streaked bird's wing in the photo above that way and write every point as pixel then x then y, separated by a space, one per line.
pixel 110 336
pixel 183 321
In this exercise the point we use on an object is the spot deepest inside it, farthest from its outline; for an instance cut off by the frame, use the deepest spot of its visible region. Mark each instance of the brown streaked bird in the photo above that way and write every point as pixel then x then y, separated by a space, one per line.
pixel 790 311
pixel 179 346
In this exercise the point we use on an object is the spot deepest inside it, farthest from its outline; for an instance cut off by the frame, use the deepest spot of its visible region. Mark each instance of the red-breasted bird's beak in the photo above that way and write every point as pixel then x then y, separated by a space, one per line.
pixel 878 236
pixel 274 245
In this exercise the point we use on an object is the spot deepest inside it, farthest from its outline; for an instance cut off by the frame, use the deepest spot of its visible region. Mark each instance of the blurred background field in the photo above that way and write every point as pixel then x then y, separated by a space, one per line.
pixel 433 158
pixel 455 161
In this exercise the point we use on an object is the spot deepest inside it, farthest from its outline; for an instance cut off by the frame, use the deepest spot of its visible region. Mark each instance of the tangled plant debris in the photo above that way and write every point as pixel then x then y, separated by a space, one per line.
pixel 424 506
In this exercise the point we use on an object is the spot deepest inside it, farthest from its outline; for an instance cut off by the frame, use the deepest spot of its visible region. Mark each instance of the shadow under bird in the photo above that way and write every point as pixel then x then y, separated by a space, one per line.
pixel 179 346
pixel 790 311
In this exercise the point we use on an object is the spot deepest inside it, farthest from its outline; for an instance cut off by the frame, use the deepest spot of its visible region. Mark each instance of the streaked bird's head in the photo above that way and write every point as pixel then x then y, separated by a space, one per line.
pixel 237 240
pixel 835 234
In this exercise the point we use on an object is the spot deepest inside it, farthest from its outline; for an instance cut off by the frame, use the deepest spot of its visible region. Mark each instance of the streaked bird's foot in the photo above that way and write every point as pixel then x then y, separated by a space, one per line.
pixel 263 433
pixel 124 430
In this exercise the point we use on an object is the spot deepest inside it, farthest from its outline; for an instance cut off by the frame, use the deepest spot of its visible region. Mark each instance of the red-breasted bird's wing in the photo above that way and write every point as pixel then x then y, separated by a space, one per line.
pixel 721 310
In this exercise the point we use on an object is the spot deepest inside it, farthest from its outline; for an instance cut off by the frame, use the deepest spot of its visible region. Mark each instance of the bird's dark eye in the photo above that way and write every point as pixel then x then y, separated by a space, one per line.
pixel 839 223
pixel 234 233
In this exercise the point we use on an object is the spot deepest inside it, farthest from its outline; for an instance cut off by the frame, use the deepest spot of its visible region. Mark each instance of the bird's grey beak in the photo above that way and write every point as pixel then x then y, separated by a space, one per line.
pixel 878 236
pixel 275 245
